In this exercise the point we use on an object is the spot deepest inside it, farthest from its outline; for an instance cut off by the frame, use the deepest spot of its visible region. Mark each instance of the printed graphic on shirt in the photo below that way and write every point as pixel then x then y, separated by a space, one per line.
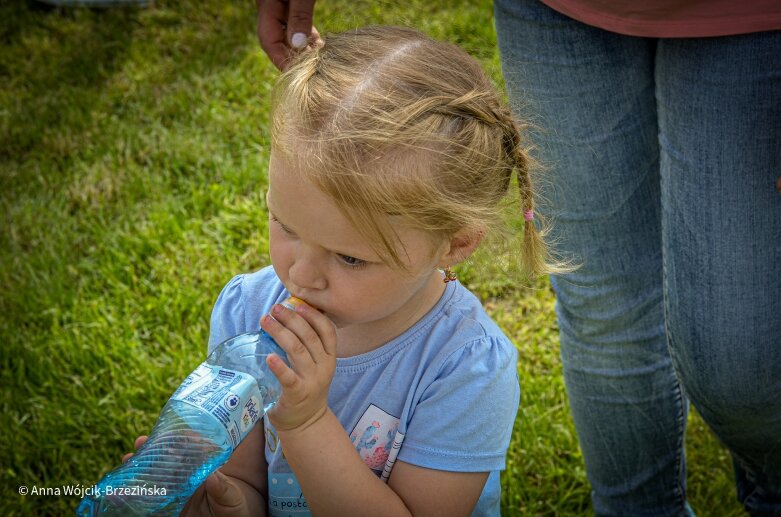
pixel 394 451
pixel 285 498
pixel 375 437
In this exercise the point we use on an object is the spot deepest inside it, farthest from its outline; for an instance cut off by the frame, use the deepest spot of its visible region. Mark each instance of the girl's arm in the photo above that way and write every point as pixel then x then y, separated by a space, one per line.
pixel 336 481
pixel 333 478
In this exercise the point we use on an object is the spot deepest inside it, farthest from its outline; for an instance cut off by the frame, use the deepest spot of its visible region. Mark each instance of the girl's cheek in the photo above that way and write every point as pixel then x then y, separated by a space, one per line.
pixel 280 256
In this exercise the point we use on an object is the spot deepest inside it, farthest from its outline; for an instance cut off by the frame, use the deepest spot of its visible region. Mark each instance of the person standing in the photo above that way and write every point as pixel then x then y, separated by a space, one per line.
pixel 661 125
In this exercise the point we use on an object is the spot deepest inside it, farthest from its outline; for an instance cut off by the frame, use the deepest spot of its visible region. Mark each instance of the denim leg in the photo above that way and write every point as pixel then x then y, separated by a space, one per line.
pixel 591 95
pixel 720 134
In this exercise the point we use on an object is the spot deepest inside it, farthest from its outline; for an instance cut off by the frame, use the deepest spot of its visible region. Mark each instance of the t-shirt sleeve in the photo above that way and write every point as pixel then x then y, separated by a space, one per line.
pixel 227 318
pixel 464 418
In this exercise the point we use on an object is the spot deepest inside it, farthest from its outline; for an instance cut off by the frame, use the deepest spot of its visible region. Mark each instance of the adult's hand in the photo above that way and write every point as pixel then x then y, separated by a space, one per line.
pixel 285 28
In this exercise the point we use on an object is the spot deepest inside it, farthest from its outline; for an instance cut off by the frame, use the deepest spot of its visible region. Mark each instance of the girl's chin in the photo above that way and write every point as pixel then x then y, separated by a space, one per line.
pixel 336 321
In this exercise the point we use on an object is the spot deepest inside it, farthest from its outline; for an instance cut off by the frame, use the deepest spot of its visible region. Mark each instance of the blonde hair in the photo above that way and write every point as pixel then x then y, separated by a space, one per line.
pixel 388 122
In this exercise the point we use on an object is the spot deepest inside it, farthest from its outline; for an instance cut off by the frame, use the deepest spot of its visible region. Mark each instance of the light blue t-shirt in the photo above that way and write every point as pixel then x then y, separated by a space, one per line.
pixel 442 395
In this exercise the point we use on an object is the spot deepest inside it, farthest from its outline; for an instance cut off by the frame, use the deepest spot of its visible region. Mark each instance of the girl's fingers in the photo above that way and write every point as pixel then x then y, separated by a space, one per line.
pixel 313 330
pixel 297 353
pixel 299 326
pixel 284 374
pixel 141 440
pixel 225 492
pixel 323 327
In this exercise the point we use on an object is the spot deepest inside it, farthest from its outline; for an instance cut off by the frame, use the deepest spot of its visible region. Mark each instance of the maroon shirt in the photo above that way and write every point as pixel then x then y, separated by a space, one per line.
pixel 674 18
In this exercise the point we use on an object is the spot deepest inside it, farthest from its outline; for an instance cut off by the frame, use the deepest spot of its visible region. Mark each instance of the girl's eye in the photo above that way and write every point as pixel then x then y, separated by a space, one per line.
pixel 352 261
pixel 284 228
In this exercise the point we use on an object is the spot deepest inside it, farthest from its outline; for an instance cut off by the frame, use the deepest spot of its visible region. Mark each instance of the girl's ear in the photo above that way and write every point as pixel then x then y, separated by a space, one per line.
pixel 461 246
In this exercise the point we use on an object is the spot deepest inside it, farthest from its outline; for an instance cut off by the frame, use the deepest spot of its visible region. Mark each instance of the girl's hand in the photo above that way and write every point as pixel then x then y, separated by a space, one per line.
pixel 141 440
pixel 309 339
pixel 219 495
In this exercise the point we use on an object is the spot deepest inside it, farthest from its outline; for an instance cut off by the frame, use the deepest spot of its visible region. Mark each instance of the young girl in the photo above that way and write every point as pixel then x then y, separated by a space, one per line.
pixel 390 155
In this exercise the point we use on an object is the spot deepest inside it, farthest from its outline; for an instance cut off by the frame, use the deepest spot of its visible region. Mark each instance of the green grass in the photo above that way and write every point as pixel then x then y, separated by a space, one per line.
pixel 133 154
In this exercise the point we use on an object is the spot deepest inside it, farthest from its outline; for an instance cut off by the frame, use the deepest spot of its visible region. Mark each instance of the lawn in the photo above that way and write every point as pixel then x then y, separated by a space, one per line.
pixel 133 155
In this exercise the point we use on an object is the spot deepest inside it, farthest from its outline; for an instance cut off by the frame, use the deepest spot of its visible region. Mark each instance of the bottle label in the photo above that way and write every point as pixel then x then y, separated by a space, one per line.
pixel 229 396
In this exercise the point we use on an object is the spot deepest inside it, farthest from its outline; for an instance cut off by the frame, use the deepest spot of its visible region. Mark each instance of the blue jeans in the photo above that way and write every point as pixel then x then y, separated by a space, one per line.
pixel 661 159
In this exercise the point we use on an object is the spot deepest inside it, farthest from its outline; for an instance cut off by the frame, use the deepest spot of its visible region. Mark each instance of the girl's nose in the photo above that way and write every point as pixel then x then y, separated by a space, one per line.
pixel 306 272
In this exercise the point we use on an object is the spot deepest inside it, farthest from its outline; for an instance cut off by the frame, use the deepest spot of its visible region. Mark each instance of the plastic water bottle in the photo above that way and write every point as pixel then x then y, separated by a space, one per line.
pixel 205 419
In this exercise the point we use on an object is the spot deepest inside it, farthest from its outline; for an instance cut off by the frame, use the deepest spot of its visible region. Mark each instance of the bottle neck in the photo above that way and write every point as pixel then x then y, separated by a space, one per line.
pixel 293 302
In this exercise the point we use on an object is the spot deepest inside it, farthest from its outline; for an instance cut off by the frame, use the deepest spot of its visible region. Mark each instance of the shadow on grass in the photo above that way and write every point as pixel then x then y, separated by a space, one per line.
pixel 56 63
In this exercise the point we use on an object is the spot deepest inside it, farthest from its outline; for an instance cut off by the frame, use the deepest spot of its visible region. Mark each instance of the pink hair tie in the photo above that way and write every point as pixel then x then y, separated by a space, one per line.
pixel 528 215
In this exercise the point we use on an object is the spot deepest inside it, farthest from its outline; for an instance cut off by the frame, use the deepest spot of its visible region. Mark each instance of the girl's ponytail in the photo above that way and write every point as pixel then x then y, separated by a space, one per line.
pixel 535 253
